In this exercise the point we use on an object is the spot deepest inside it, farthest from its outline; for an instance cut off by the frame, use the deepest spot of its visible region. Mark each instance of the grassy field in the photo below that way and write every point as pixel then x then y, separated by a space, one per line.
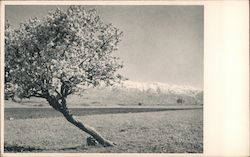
pixel 34 113
pixel 173 131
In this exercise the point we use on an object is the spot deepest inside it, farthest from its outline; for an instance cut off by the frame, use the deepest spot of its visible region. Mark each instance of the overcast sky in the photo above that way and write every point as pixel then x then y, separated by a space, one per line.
pixel 160 43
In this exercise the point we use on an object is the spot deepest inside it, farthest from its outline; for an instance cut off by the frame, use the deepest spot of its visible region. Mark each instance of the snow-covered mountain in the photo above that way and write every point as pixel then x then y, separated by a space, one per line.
pixel 143 93
pixel 158 87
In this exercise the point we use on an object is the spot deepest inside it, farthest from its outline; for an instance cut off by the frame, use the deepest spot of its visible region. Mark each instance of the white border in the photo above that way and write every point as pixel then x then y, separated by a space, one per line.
pixel 93 2
pixel 226 75
pixel 2 79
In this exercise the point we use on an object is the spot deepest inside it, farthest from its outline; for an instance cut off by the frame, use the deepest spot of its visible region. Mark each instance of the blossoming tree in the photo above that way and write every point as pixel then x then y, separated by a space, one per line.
pixel 62 54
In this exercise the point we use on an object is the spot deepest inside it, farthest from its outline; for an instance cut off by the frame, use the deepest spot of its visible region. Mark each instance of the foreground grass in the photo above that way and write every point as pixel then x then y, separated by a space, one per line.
pixel 152 132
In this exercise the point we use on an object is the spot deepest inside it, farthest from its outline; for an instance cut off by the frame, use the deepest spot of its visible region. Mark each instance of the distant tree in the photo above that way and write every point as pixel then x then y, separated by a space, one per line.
pixel 180 101
pixel 62 54
pixel 199 98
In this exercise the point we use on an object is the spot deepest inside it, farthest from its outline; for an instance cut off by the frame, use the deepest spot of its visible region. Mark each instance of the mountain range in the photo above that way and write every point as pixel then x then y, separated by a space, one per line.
pixel 141 93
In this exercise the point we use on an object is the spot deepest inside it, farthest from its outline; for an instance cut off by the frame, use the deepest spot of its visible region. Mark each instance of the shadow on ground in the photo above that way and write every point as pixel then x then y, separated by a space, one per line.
pixel 26 149
pixel 16 148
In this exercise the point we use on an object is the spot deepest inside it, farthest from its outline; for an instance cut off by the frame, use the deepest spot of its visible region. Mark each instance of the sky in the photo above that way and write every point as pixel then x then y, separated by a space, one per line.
pixel 160 43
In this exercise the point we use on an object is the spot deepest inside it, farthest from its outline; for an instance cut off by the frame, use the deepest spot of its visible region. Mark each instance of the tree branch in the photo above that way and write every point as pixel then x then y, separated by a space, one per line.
pixel 59 95
pixel 35 94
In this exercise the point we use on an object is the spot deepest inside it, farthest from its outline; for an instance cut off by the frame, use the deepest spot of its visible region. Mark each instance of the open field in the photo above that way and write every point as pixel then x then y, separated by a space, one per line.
pixel 172 131
pixel 34 113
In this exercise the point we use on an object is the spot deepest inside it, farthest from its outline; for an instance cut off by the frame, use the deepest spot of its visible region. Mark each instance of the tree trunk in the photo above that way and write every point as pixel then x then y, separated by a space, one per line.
pixel 87 129
pixel 73 120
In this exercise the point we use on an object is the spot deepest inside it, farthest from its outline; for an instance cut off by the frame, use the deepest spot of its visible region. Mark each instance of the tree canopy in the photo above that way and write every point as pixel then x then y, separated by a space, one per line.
pixel 61 53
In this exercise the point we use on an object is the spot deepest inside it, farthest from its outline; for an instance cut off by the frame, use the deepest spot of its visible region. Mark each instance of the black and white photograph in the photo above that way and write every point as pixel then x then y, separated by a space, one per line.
pixel 103 78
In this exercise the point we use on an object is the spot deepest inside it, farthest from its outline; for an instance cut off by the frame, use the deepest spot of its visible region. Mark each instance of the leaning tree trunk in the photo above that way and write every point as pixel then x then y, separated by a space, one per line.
pixel 61 107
